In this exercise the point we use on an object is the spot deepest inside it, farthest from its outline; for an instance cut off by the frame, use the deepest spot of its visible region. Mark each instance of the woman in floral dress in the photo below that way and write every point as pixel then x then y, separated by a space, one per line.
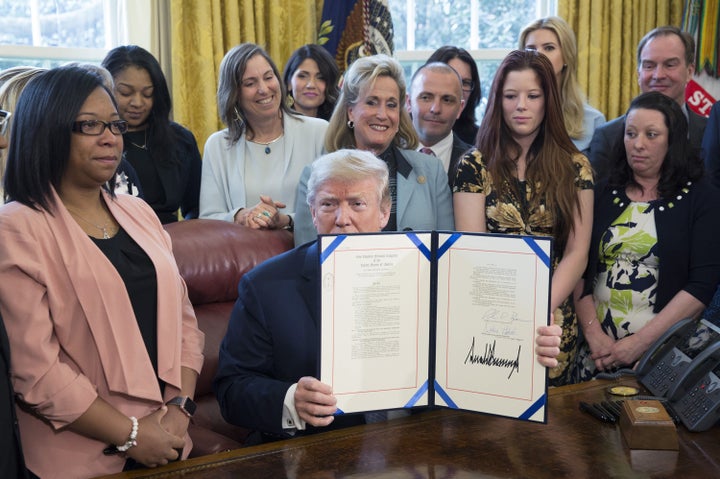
pixel 654 258
pixel 525 176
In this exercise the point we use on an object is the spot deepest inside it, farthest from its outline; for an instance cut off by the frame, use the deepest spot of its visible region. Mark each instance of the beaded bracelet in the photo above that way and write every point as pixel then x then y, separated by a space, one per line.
pixel 133 436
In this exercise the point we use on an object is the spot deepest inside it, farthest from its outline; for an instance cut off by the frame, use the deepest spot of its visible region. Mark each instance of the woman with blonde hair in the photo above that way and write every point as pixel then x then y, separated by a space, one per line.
pixel 554 38
pixel 370 115
pixel 526 177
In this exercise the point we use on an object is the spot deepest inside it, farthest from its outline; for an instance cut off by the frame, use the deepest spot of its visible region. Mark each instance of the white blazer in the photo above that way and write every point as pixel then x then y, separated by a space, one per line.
pixel 222 187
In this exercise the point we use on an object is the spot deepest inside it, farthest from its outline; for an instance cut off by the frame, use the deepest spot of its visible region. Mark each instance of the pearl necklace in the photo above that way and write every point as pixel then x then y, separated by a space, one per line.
pixel 268 143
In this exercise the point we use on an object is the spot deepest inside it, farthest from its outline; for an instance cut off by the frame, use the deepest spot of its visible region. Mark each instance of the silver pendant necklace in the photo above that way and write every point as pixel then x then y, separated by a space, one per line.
pixel 267 144
pixel 144 145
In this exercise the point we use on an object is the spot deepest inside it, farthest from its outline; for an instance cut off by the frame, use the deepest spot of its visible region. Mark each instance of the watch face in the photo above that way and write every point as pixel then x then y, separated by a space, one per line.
pixel 190 406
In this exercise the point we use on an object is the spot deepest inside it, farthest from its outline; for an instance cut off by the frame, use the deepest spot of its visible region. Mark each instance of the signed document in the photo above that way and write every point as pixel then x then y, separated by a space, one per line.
pixel 435 318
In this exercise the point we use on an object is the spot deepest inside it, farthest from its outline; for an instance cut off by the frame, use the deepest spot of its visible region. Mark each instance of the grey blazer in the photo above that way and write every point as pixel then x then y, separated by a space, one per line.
pixel 608 139
pixel 424 201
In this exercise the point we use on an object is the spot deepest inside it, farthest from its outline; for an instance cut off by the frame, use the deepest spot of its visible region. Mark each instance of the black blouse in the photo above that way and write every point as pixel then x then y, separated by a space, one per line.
pixel 138 273
pixel 168 185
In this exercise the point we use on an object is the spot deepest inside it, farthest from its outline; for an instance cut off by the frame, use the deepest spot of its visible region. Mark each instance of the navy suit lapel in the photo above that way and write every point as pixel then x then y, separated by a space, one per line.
pixel 309 285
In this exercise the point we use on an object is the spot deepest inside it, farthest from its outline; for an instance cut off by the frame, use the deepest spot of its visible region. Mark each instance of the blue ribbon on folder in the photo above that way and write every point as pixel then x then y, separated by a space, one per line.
pixel 331 248
pixel 537 250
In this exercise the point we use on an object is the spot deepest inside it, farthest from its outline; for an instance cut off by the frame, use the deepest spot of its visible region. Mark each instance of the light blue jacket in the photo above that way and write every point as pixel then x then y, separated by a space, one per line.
pixel 424 201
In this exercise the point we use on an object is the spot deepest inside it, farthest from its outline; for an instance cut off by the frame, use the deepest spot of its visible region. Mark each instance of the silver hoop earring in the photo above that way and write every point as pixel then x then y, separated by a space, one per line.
pixel 351 124
pixel 238 116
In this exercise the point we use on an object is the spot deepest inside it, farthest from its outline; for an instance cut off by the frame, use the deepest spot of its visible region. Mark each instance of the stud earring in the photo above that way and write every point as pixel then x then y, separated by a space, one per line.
pixel 351 124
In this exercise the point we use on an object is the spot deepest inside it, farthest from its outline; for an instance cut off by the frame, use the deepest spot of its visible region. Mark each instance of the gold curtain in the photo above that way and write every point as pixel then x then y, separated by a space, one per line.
pixel 204 30
pixel 608 32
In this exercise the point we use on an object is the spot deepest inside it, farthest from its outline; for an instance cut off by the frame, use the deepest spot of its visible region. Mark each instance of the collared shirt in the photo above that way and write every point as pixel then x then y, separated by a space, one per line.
pixel 443 150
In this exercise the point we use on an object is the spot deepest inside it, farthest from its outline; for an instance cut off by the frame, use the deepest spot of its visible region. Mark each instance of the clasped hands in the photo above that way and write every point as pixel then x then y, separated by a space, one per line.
pixel 609 353
pixel 160 437
pixel 264 215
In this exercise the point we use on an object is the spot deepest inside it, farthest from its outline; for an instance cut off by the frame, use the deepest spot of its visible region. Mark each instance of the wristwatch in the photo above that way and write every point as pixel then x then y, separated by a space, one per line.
pixel 186 404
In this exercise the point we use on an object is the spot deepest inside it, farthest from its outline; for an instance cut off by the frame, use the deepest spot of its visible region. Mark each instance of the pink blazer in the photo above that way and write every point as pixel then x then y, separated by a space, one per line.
pixel 73 333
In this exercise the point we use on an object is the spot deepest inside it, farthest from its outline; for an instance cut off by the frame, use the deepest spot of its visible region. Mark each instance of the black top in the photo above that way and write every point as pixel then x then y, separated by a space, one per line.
pixel 12 464
pixel 171 184
pixel 389 156
pixel 466 131
pixel 138 273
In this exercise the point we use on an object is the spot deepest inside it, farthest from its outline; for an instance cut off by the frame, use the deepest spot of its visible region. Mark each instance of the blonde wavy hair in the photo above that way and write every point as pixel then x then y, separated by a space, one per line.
pixel 573 99
pixel 362 75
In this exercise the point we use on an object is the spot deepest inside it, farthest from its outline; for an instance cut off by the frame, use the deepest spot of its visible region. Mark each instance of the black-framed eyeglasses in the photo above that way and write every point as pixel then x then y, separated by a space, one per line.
pixel 4 121
pixel 467 85
pixel 97 127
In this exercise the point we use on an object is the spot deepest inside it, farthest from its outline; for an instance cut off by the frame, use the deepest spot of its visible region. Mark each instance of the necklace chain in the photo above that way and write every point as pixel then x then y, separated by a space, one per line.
pixel 144 145
pixel 267 144
pixel 103 227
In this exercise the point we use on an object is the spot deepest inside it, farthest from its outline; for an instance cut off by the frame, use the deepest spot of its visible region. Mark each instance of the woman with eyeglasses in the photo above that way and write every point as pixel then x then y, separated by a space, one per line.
pixel 13 82
pixel 462 62
pixel 164 154
pixel 104 360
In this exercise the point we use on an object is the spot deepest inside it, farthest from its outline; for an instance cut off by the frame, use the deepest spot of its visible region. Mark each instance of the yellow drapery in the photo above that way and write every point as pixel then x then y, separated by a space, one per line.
pixel 204 30
pixel 608 32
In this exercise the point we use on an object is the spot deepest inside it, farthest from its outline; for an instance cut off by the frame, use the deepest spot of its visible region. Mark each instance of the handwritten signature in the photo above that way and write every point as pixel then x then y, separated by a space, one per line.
pixel 489 359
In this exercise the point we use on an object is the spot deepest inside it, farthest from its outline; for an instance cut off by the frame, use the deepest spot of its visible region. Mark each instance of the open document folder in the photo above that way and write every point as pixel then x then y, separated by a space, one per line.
pixel 435 319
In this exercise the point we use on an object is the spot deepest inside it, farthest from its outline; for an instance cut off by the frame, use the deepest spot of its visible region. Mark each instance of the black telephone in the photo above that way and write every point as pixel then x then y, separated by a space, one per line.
pixel 684 366
pixel 668 359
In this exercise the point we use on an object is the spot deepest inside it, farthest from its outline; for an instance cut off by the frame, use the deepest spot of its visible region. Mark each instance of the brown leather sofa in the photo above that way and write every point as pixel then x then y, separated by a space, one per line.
pixel 212 256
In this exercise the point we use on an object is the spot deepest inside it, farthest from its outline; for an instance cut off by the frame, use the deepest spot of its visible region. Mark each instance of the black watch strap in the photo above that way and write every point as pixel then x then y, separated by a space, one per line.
pixel 186 404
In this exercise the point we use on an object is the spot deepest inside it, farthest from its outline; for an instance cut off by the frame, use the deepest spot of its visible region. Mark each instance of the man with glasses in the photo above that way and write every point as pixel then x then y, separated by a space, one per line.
pixel 435 101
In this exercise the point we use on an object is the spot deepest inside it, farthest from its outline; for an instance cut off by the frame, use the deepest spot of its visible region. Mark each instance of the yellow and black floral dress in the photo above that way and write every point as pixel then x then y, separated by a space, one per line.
pixel 505 213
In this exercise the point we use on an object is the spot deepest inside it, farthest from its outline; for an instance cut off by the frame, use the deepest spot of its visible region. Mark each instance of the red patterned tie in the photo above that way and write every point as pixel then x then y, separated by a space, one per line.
pixel 427 151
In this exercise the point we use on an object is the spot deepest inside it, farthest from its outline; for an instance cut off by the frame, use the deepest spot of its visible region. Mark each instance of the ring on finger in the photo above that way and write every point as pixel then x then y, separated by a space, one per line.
pixel 265 213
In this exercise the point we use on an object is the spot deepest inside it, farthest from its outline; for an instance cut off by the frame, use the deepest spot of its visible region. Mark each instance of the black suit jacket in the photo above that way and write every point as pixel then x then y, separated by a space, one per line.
pixel 273 339
pixel 607 141
pixel 12 464
pixel 459 148
pixel 711 145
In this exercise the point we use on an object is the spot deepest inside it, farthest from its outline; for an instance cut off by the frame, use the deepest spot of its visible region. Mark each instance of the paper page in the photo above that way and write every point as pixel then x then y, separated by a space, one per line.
pixel 375 313
pixel 493 293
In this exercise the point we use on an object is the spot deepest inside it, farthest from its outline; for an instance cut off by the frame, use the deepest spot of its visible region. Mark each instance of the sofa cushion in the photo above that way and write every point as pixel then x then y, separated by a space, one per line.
pixel 212 255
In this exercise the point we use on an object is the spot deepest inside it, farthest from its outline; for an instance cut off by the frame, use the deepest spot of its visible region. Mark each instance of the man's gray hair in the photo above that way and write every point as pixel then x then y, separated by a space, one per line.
pixel 349 166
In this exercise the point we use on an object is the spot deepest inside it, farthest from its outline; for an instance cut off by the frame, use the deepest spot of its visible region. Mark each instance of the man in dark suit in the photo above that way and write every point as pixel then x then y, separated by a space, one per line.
pixel 434 102
pixel 666 63
pixel 711 145
pixel 270 352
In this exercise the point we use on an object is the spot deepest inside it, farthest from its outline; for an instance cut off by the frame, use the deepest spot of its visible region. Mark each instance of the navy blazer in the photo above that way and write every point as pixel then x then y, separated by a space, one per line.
pixel 272 340
pixel 607 141
pixel 711 146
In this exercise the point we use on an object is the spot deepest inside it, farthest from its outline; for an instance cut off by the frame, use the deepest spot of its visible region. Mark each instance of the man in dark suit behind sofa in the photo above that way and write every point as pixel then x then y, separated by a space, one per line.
pixel 666 63
pixel 270 351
